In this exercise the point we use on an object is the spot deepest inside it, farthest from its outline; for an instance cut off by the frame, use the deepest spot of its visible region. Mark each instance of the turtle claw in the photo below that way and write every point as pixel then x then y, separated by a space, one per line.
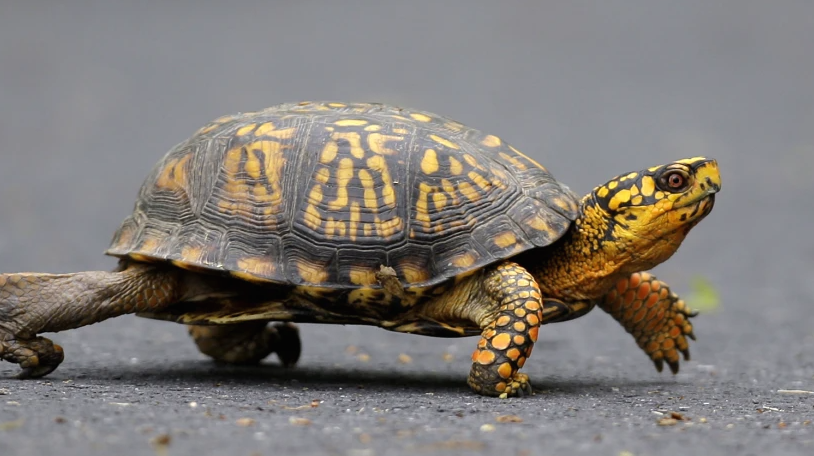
pixel 519 386
pixel 673 366
pixel 659 362
pixel 35 372
pixel 38 357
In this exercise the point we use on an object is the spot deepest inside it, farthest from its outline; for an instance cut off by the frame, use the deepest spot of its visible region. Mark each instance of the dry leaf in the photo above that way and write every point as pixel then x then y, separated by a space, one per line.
pixel 405 358
pixel 509 419
pixel 11 425
pixel 245 422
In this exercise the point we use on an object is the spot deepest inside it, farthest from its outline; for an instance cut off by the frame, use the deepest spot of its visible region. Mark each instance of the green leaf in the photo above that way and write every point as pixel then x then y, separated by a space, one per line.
pixel 703 296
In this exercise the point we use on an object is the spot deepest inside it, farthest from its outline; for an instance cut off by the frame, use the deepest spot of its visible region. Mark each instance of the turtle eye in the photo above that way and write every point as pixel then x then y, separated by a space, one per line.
pixel 674 181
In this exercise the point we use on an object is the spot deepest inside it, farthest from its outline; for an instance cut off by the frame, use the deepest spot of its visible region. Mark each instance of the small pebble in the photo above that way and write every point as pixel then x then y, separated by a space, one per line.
pixel 487 428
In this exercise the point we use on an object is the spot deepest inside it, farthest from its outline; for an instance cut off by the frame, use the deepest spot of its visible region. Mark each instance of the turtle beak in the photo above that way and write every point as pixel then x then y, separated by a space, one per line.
pixel 707 176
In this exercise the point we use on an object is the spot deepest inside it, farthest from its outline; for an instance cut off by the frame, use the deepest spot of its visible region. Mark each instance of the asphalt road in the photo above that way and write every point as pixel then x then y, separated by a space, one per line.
pixel 92 95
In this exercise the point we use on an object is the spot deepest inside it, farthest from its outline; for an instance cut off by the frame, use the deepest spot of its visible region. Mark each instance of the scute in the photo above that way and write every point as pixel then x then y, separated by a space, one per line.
pixel 323 194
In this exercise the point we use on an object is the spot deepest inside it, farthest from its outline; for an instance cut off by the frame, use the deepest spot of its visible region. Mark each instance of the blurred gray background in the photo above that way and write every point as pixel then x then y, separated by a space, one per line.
pixel 92 94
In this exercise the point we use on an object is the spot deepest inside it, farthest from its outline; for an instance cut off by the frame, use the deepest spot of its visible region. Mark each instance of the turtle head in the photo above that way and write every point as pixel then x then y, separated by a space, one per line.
pixel 648 213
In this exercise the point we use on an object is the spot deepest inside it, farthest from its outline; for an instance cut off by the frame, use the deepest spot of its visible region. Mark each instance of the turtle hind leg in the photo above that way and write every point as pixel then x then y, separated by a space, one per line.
pixel 33 303
pixel 248 342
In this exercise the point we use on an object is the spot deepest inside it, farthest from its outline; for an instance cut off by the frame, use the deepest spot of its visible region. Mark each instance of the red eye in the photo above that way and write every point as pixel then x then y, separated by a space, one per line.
pixel 674 181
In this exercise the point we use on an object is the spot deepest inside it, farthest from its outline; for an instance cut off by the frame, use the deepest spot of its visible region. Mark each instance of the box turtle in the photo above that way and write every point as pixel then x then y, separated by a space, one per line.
pixel 358 213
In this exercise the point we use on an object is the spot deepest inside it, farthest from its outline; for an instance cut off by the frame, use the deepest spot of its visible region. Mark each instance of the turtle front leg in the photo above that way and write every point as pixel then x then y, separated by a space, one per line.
pixel 654 315
pixel 508 334
pixel 33 303
pixel 249 342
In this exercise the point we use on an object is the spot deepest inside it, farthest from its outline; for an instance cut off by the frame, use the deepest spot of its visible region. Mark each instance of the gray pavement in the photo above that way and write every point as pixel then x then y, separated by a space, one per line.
pixel 92 95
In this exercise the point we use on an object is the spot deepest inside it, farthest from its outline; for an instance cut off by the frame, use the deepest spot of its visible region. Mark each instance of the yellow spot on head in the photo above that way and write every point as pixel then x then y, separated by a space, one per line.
pixel 602 192
pixel 634 190
pixel 622 196
pixel 648 185
pixel 351 122
pixel 444 142
pixel 613 184
pixel 429 164
pixel 420 117
pixel 636 200
pixel 245 130
pixel 690 161
pixel 491 141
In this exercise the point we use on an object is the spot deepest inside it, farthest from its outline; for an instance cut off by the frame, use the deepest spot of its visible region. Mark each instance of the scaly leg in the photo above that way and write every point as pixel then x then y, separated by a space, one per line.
pixel 248 342
pixel 33 303
pixel 508 334
pixel 654 315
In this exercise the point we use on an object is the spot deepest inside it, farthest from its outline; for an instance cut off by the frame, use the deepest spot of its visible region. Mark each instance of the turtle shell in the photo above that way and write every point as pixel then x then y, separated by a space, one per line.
pixel 324 194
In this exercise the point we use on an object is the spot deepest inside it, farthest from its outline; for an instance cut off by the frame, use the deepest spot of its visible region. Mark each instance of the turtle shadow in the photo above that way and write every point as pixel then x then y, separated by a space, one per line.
pixel 208 374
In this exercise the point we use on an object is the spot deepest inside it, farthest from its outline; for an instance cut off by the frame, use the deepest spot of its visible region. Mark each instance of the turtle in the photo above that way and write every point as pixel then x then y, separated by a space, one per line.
pixel 373 214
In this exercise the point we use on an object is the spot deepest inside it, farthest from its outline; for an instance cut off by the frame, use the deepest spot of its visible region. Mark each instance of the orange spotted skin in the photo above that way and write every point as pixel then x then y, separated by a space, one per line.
pixel 507 340
pixel 360 213
pixel 654 315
